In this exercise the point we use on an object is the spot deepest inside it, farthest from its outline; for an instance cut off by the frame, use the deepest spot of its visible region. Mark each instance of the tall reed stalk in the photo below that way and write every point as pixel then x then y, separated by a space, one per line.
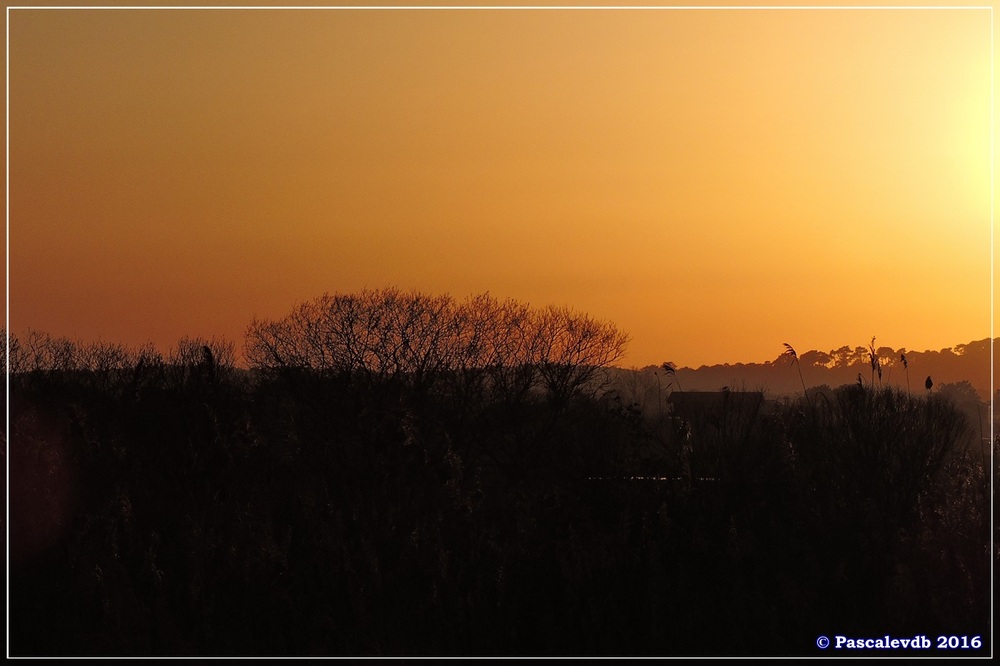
pixel 671 370
pixel 789 351
pixel 906 367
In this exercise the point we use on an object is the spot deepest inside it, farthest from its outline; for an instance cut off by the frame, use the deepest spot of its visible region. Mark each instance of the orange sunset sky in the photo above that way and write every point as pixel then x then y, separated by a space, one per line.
pixel 715 182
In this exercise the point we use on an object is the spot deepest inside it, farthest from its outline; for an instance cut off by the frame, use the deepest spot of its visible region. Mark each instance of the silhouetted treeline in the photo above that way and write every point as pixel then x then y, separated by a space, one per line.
pixel 184 506
pixel 961 363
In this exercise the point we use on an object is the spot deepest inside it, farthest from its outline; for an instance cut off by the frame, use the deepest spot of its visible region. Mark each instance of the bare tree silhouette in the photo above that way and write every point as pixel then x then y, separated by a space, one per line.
pixel 390 336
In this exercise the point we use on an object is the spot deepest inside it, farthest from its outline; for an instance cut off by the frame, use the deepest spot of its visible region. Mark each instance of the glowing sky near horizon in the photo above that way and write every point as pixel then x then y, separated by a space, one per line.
pixel 714 182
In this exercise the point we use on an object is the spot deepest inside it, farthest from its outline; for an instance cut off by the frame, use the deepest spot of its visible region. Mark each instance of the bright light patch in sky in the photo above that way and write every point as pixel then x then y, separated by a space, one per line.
pixel 715 182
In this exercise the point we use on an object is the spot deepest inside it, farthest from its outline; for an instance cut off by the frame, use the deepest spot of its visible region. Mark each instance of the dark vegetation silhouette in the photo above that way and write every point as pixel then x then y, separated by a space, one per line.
pixel 906 369
pixel 790 351
pixel 397 474
pixel 968 362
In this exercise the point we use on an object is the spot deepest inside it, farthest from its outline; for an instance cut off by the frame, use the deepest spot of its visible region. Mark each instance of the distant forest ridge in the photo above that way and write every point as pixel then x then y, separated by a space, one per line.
pixel 968 362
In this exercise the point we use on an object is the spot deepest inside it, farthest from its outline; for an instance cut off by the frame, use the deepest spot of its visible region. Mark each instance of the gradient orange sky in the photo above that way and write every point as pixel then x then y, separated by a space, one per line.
pixel 715 182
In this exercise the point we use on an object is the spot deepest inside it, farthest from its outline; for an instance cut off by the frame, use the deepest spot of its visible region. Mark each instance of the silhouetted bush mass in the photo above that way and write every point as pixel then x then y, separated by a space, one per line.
pixel 398 475
pixel 387 336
